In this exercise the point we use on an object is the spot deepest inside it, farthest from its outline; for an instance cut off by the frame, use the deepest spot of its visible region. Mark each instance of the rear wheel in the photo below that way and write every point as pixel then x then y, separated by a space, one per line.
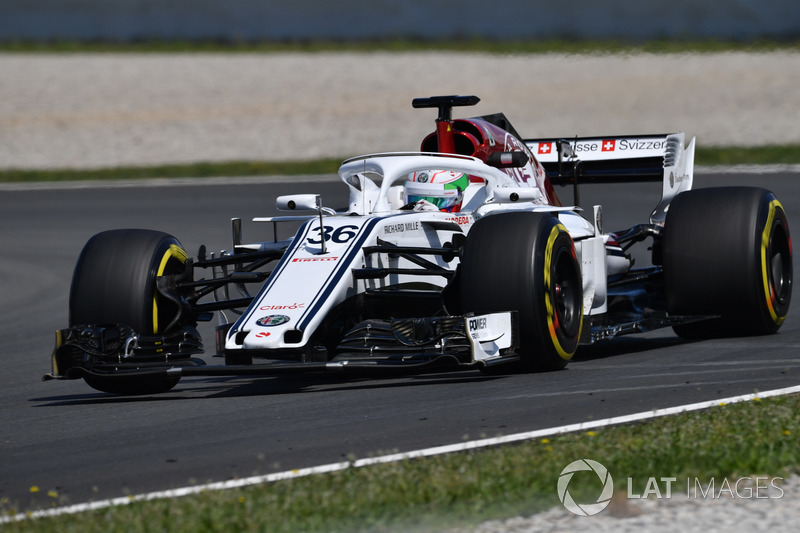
pixel 526 262
pixel 115 283
pixel 727 252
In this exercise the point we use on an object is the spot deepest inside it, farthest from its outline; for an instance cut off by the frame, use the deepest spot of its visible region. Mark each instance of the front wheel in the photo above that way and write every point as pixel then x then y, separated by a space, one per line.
pixel 115 283
pixel 727 253
pixel 526 262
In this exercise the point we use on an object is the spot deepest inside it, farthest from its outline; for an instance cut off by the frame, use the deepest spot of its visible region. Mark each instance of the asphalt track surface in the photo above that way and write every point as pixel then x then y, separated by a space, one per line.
pixel 81 445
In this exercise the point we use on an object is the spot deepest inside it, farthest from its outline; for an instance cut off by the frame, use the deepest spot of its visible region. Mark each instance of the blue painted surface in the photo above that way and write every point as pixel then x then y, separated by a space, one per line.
pixel 269 20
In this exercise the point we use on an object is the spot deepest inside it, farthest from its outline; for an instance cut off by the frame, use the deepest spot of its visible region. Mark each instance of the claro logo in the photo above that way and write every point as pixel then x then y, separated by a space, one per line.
pixel 290 307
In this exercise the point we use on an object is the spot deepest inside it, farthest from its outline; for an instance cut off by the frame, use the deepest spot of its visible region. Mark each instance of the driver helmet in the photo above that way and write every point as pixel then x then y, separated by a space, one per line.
pixel 442 188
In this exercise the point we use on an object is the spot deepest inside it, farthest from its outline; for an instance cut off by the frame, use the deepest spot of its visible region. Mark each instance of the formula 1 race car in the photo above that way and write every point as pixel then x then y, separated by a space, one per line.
pixel 459 256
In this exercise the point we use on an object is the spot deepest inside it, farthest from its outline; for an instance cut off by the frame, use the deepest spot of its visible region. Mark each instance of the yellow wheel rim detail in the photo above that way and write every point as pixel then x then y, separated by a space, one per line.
pixel 773 207
pixel 551 323
pixel 173 252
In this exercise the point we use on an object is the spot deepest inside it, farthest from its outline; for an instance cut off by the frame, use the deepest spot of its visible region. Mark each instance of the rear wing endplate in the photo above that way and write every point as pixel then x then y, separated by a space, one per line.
pixel 622 159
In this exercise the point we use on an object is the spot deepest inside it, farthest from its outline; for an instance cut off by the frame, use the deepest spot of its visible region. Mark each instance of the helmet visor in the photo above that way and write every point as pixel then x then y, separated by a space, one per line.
pixel 446 204
pixel 446 199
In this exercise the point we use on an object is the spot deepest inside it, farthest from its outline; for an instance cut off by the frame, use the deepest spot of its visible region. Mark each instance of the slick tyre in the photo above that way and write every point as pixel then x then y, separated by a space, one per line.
pixel 115 283
pixel 526 262
pixel 727 253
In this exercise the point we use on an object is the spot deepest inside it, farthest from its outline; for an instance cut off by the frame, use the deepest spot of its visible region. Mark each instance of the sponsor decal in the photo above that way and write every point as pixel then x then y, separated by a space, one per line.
pixel 492 327
pixel 545 148
pixel 282 307
pixel 313 259
pixel 614 145
pixel 399 228
pixel 477 324
pixel 591 146
pixel 618 145
pixel 460 220
pixel 272 320
pixel 639 144
pixel 263 334
pixel 520 175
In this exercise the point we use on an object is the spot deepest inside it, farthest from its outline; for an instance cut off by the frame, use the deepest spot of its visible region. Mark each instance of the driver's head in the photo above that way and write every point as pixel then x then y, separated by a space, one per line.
pixel 442 188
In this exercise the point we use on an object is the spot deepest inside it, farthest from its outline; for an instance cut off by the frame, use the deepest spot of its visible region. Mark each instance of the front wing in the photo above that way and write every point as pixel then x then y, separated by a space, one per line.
pixel 408 346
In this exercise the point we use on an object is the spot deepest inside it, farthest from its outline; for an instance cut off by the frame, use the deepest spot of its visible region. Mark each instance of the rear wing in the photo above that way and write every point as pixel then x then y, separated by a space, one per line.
pixel 623 159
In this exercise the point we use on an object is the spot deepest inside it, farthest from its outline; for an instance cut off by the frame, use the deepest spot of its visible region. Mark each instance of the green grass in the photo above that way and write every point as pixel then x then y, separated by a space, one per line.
pixel 574 46
pixel 756 438
pixel 705 156
pixel 751 155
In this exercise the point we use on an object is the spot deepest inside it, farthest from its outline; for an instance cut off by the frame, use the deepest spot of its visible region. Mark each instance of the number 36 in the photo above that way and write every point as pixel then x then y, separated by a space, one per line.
pixel 338 235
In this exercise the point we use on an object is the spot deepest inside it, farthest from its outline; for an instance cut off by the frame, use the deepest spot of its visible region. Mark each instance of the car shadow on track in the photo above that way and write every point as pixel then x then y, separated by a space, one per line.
pixel 234 387
pixel 626 345
pixel 307 384
pixel 194 388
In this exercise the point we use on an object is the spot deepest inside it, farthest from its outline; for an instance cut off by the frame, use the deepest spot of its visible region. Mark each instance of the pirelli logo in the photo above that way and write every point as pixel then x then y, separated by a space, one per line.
pixel 313 259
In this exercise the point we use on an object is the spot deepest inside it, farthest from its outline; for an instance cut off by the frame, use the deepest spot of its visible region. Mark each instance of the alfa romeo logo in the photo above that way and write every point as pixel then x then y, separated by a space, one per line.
pixel 272 320
pixel 585 509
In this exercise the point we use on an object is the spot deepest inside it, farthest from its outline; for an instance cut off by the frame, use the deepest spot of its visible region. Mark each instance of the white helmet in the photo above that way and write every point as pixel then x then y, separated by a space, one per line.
pixel 442 188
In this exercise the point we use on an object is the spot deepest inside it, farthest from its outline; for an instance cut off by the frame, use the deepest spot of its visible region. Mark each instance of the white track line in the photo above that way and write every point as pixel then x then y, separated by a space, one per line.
pixel 428 452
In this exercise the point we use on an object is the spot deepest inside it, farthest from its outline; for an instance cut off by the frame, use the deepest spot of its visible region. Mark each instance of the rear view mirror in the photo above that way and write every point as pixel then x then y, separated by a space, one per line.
pixel 293 202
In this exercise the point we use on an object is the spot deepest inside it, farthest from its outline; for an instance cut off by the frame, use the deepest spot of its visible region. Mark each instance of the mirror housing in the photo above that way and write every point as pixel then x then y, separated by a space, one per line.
pixel 517 194
pixel 294 202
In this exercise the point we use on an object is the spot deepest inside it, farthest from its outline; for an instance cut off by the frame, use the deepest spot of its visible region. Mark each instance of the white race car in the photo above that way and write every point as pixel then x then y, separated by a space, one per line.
pixel 457 257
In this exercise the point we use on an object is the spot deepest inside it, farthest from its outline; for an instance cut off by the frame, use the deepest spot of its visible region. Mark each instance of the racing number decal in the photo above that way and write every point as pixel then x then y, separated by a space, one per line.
pixel 552 316
pixel 339 235
pixel 769 291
